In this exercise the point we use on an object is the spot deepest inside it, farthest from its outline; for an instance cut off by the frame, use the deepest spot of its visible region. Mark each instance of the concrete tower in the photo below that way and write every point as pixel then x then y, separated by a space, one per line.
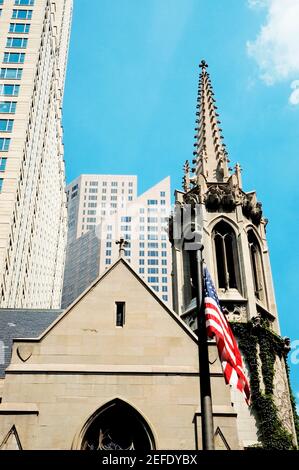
pixel 232 228
pixel 34 41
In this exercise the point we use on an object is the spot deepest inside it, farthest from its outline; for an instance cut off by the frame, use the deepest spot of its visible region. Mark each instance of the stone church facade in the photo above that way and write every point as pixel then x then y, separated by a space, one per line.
pixel 87 383
pixel 119 369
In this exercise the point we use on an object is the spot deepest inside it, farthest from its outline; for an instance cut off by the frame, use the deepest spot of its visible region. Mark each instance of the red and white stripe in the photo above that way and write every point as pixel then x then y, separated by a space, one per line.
pixel 228 350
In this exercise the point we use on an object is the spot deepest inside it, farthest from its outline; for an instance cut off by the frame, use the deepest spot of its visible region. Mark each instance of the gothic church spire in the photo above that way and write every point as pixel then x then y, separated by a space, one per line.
pixel 210 155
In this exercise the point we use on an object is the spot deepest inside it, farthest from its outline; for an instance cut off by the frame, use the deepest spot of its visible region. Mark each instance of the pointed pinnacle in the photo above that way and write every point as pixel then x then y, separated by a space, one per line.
pixel 203 65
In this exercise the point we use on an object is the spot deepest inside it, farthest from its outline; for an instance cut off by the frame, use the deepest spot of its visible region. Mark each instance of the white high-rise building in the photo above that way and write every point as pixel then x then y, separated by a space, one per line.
pixel 34 41
pixel 102 209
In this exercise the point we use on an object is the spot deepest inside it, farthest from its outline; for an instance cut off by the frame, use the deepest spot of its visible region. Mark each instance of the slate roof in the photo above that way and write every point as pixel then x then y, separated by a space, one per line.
pixel 19 323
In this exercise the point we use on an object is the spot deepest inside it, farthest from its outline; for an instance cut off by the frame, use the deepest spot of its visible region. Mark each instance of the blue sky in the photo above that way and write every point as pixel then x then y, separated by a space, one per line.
pixel 131 94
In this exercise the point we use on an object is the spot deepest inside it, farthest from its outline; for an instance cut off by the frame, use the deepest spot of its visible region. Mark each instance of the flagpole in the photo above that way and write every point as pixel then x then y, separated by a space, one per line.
pixel 207 426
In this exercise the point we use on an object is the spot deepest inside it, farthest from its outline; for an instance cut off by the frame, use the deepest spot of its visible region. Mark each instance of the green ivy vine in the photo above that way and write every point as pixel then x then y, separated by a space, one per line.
pixel 271 433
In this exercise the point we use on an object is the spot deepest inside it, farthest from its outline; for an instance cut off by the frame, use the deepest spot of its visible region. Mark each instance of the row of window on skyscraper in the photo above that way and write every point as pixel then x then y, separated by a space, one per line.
pixel 11 89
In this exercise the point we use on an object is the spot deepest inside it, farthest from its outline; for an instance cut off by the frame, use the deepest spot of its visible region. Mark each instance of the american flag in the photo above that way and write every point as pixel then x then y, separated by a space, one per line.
pixel 228 350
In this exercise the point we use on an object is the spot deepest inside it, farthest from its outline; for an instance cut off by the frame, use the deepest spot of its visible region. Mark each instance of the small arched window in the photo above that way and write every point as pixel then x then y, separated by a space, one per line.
pixel 256 265
pixel 226 256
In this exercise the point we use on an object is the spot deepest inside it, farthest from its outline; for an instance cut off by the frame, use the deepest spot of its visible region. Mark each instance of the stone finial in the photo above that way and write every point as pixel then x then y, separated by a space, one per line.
pixel 203 65
pixel 186 178
pixel 238 173
pixel 122 246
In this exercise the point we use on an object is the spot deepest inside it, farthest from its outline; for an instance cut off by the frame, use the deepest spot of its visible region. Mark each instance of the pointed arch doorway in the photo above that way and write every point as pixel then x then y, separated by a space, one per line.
pixel 117 426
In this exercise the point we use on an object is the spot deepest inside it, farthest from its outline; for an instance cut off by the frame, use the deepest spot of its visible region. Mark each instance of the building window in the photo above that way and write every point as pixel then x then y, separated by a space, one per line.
pixel 141 245
pixel 6 125
pixel 164 262
pixel 141 253
pixel 108 261
pixel 108 252
pixel 114 184
pixel 1 184
pixel 120 313
pixel 24 2
pixel 22 14
pixel 141 262
pixel 152 237
pixel 153 270
pixel 162 193
pixel 4 145
pixel 153 262
pixel 13 74
pixel 256 265
pixel 153 245
pixel 163 202
pixel 17 42
pixel 155 288
pixel 164 253
pixel 22 28
pixel 3 162
pixel 109 245
pixel 14 57
pixel 9 90
pixel 8 107
pixel 164 289
pixel 152 202
pixel 226 256
pixel 152 253
pixel 126 219
pixel 141 270
pixel 164 280
pixel 165 298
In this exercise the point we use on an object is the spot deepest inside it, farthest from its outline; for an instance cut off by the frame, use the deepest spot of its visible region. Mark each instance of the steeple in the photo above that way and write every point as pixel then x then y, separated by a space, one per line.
pixel 210 155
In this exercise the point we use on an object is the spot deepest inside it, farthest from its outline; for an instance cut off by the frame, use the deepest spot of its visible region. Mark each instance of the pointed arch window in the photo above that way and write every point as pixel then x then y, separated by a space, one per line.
pixel 256 265
pixel 226 255
pixel 117 426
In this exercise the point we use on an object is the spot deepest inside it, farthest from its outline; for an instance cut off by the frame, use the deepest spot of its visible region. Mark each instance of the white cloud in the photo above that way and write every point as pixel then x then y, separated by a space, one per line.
pixel 275 48
pixel 294 99
pixel 258 3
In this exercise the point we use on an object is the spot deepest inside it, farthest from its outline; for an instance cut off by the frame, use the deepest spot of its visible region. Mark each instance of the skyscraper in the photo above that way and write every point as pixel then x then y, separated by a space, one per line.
pixel 101 210
pixel 34 41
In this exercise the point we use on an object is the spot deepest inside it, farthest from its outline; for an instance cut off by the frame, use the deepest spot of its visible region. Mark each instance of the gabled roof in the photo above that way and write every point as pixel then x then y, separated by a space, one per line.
pixel 26 323
pixel 170 312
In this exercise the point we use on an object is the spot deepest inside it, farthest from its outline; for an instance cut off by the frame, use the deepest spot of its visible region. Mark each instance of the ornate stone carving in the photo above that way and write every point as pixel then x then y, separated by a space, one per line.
pixel 192 198
pixel 252 208
pixel 190 320
pixel 24 352
pixel 227 196
pixel 287 345
pixel 223 197
pixel 235 312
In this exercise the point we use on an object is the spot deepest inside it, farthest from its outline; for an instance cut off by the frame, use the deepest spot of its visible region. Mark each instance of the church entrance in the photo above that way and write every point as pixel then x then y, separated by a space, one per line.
pixel 117 426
